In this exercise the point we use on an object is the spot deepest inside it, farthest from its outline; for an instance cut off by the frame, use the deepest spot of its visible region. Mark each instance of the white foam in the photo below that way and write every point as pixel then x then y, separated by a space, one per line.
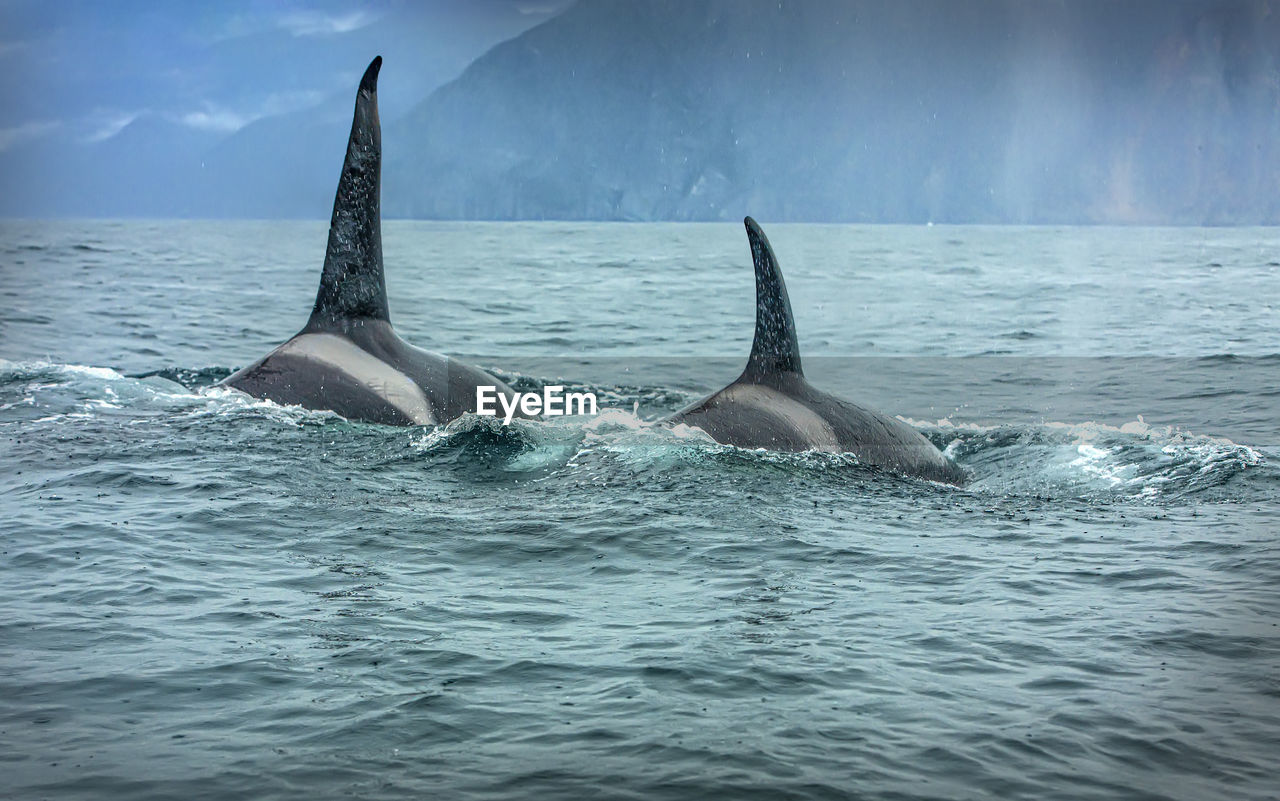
pixel 104 373
pixel 224 401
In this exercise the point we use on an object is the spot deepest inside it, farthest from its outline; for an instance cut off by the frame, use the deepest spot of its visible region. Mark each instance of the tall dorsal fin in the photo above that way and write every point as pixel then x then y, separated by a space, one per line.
pixel 352 285
pixel 775 349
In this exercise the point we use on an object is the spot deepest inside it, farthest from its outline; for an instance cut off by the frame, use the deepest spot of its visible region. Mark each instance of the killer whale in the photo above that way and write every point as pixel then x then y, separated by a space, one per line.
pixel 347 358
pixel 772 406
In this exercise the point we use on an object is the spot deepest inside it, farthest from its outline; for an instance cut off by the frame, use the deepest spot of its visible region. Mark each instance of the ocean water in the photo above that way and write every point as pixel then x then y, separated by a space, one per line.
pixel 205 596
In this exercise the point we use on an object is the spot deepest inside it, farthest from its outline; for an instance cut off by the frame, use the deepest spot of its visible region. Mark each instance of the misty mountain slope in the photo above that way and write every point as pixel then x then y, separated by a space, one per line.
pixel 983 111
pixel 240 109
pixel 287 165
pixel 145 169
pixel 282 166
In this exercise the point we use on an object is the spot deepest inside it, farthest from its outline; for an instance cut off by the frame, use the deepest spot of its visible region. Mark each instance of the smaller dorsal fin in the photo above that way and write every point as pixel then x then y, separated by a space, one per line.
pixel 352 285
pixel 775 349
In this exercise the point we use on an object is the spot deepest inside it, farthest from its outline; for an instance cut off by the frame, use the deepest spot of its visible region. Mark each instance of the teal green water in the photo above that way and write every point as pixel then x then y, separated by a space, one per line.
pixel 205 596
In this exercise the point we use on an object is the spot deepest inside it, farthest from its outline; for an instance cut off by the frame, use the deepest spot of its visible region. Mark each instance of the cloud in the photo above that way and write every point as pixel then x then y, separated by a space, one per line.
pixel 106 124
pixel 25 132
pixel 540 8
pixel 215 118
pixel 102 124
pixel 222 119
pixel 318 23
pixel 300 23
pixel 285 102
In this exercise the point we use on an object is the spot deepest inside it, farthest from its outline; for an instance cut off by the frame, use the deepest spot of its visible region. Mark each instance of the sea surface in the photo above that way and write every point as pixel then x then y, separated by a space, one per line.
pixel 205 596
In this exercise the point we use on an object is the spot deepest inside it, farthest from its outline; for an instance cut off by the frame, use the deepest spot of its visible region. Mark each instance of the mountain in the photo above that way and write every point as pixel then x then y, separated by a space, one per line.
pixel 287 165
pixel 188 78
pixel 1115 111
pixel 281 166
pixel 145 169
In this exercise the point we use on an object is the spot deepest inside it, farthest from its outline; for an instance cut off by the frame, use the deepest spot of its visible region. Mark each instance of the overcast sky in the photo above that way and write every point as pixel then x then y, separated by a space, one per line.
pixel 84 69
